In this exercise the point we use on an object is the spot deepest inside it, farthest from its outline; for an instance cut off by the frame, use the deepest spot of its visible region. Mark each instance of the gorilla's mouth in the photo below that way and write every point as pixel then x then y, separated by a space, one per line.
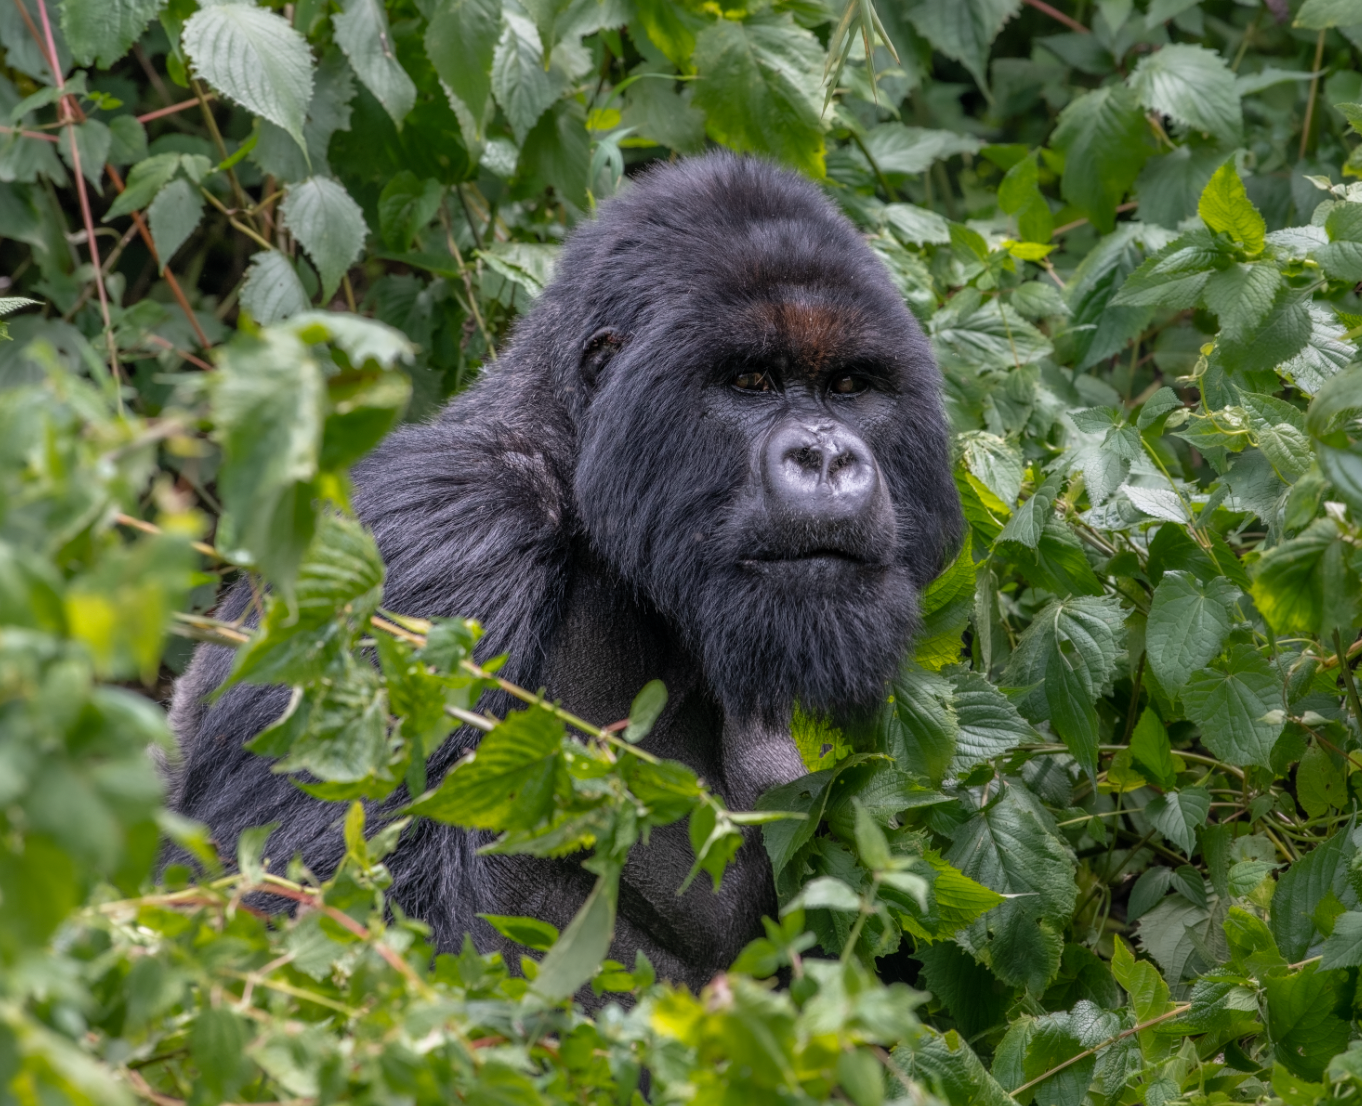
pixel 808 556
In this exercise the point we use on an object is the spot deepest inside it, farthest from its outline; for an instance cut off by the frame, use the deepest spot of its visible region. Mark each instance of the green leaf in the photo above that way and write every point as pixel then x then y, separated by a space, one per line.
pixel 1325 355
pixel 996 462
pixel 963 30
pixel 1308 583
pixel 1070 703
pixel 328 224
pixel 524 87
pixel 461 41
pixel 1151 749
pixel 1241 296
pixel 1318 15
pixel 217 1043
pixel 1027 525
pixel 579 951
pixel 911 150
pixel 145 179
pixel 1175 274
pixel 173 216
pixel 1300 1016
pixel 1229 702
pixel 1191 85
pixel 923 742
pixel 406 206
pixel 272 291
pixel 1280 336
pixel 1105 141
pixel 1319 873
pixel 268 397
pixel 989 724
pixel 1343 947
pixel 647 708
pixel 254 57
pixel 1319 783
pixel 759 88
pixel 530 932
pixel 1188 623
pixel 507 782
pixel 1094 628
pixel 362 32
pixel 1177 814
pixel 93 140
pixel 104 30
pixel 1226 209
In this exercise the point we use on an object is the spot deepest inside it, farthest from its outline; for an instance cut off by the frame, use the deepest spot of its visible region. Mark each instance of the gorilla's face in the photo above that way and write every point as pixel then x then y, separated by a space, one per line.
pixel 762 448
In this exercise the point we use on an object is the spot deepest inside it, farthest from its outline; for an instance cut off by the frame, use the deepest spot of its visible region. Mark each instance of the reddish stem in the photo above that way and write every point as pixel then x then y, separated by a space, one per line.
pixel 1054 13
pixel 159 113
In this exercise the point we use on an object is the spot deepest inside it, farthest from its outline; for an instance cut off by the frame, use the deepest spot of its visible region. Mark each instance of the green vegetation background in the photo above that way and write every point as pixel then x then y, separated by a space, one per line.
pixel 1107 822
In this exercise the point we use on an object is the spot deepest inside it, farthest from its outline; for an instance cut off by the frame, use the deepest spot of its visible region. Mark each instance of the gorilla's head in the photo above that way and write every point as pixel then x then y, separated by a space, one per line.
pixel 762 451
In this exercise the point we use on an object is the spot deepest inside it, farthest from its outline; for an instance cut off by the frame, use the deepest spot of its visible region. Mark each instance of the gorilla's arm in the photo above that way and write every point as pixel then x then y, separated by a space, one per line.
pixel 469 513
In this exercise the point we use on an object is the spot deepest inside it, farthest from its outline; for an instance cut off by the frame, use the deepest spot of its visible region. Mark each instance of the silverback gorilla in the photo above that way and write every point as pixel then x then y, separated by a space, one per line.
pixel 714 454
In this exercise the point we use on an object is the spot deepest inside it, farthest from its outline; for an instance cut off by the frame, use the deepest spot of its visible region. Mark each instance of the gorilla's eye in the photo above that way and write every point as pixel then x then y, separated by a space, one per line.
pixel 848 385
pixel 753 382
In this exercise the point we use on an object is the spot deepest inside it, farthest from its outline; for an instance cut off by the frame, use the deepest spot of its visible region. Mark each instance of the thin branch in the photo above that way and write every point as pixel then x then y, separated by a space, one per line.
pixel 28 134
pixel 1054 13
pixel 1314 89
pixel 1120 208
pixel 183 105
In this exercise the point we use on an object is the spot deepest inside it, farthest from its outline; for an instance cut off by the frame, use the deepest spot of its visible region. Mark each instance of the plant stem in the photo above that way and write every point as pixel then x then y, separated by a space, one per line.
pixel 1314 89
pixel 1348 682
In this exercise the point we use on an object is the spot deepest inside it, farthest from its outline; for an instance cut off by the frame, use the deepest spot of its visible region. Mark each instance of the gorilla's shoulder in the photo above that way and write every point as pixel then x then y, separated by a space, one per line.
pixel 472 511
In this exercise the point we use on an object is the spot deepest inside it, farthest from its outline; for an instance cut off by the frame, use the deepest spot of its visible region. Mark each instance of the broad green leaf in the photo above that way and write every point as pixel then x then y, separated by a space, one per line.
pixel 958 901
pixel 759 88
pixel 508 782
pixel 1027 525
pixel 963 30
pixel 328 224
pixel 1343 947
pixel 1319 783
pixel 254 57
pixel 1280 336
pixel 268 404
pixel 944 610
pixel 1070 698
pixel 910 150
pixel 1230 701
pixel 1094 628
pixel 362 32
pixel 406 206
pixel 946 1063
pixel 917 225
pixel 524 86
pixel 1188 623
pixel 530 932
pixel 923 742
pixel 989 724
pixel 1226 209
pixel 1175 274
pixel 173 216
pixel 579 951
pixel 93 140
pixel 104 30
pixel 1149 996
pixel 217 1043
pixel 1151 749
pixel 1105 141
pixel 1300 1016
pixel 1191 85
pixel 825 893
pixel 647 708
pixel 996 462
pixel 336 732
pixel 1307 583
pixel 1320 872
pixel 144 180
pixel 1241 296
pixel 1177 814
pixel 1317 15
pixel 272 291
pixel 461 41
pixel 1324 355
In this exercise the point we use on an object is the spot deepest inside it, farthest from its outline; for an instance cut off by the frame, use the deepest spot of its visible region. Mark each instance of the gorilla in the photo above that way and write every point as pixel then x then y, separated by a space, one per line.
pixel 714 454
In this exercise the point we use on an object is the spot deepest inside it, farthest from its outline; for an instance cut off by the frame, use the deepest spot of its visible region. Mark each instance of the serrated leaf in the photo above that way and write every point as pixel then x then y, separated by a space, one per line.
pixel 524 88
pixel 1230 701
pixel 917 225
pixel 145 179
pixel 1319 782
pixel 1192 85
pixel 989 724
pixel 578 953
pixel 272 291
pixel 1324 355
pixel 1175 274
pixel 1241 296
pixel 461 42
pixel 759 88
pixel 1280 335
pixel 1305 583
pixel 362 32
pixel 923 742
pixel 963 30
pixel 1095 628
pixel 508 782
pixel 910 150
pixel 1177 814
pixel 1105 141
pixel 254 57
pixel 1301 889
pixel 1300 1016
pixel 1318 15
pixel 1028 523
pixel 173 216
pixel 328 224
pixel 996 462
pixel 1150 748
pixel 406 206
pixel 104 30
pixel 93 140
pixel 1188 623
pixel 1343 947
pixel 1226 209
pixel 1070 698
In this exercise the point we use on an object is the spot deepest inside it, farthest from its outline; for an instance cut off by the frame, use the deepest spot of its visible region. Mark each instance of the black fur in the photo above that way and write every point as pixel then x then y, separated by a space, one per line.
pixel 599 501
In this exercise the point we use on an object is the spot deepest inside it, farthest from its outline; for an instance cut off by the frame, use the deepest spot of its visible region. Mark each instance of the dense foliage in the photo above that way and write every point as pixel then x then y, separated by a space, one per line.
pixel 1106 826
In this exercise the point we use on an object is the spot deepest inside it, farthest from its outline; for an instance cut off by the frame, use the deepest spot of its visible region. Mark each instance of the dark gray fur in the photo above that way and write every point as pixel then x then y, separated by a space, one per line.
pixel 597 499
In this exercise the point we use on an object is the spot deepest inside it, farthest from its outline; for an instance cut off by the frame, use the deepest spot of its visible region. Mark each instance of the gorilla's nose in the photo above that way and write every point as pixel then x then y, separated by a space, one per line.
pixel 821 469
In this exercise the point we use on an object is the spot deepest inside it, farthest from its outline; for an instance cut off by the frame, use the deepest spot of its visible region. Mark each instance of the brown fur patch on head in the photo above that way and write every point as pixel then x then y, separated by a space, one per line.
pixel 807 332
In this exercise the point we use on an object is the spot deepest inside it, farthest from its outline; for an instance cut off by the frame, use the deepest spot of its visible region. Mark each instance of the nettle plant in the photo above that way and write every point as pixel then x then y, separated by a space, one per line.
pixel 1101 843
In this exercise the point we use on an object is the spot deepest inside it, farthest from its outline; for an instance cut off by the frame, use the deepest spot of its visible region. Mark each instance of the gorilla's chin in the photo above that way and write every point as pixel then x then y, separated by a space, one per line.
pixel 823 629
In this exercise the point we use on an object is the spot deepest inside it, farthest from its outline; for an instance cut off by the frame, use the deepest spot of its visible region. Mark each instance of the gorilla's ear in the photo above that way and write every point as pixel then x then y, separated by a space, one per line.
pixel 597 352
